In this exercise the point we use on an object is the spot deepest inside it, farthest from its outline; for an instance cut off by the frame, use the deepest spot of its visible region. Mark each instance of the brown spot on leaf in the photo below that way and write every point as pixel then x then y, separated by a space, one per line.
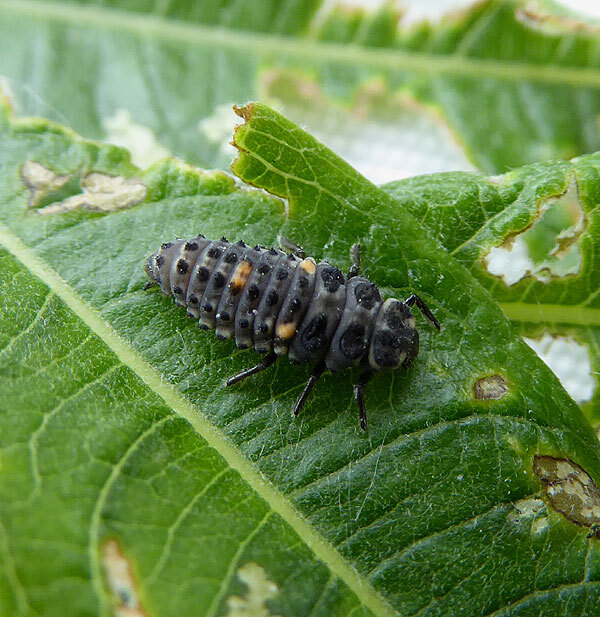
pixel 570 489
pixel 491 387
pixel 244 112
pixel 121 581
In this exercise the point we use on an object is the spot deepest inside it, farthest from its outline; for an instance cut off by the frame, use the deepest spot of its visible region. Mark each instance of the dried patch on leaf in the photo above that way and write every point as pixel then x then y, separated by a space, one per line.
pixel 528 507
pixel 532 512
pixel 260 589
pixel 539 525
pixel 101 193
pixel 547 249
pixel 244 112
pixel 41 181
pixel 491 387
pixel 121 581
pixel 570 489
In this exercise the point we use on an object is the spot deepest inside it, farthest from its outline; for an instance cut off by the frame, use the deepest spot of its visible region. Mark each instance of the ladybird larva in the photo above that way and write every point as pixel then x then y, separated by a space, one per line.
pixel 280 303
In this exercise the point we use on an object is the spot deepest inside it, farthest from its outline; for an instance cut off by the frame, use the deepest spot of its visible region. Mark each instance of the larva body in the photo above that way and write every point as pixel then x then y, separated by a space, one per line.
pixel 280 303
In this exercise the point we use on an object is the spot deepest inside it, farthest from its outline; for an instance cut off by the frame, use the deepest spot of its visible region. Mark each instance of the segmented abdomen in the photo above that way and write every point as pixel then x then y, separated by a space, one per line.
pixel 270 300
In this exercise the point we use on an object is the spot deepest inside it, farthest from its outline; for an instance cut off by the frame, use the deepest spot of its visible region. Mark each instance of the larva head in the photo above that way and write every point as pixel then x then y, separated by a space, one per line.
pixel 395 340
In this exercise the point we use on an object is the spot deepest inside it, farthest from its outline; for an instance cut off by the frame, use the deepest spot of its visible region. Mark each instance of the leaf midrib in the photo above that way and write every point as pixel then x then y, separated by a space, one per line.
pixel 551 313
pixel 306 48
pixel 235 460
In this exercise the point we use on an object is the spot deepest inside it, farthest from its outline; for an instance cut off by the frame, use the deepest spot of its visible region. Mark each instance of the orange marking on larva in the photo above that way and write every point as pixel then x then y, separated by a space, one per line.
pixel 286 330
pixel 308 265
pixel 241 275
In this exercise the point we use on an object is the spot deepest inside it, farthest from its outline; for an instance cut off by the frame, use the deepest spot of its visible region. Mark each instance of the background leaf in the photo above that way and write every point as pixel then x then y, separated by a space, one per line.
pixel 441 478
pixel 513 86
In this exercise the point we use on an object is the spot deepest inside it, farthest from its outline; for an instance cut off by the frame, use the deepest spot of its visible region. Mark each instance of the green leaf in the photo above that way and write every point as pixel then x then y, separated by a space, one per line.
pixel 552 210
pixel 514 85
pixel 105 465
pixel 117 400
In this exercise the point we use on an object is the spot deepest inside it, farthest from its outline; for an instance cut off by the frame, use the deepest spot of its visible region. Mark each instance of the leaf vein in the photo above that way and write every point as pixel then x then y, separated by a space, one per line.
pixel 214 436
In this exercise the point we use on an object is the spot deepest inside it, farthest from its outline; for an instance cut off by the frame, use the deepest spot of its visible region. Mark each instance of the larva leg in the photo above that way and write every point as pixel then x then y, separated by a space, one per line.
pixel 594 531
pixel 261 366
pixel 314 377
pixel 363 380
pixel 355 267
pixel 288 245
pixel 414 299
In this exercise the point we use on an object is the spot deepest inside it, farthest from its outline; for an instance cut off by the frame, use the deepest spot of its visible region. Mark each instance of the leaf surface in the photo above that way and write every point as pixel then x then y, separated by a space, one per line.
pixel 416 516
pixel 472 215
pixel 96 448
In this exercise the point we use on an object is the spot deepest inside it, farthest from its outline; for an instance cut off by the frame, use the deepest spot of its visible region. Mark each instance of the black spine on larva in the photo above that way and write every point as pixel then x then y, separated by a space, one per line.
pixel 226 262
pixel 272 301
pixel 322 317
pixel 252 295
pixel 269 308
pixel 181 268
pixel 350 342
pixel 201 273
pixel 232 293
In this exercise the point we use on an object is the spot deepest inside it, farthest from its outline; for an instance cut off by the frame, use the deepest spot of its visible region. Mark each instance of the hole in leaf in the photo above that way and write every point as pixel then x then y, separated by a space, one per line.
pixel 492 387
pixel 393 135
pixel 569 361
pixel 570 489
pixel 141 142
pixel 217 128
pixel 549 248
